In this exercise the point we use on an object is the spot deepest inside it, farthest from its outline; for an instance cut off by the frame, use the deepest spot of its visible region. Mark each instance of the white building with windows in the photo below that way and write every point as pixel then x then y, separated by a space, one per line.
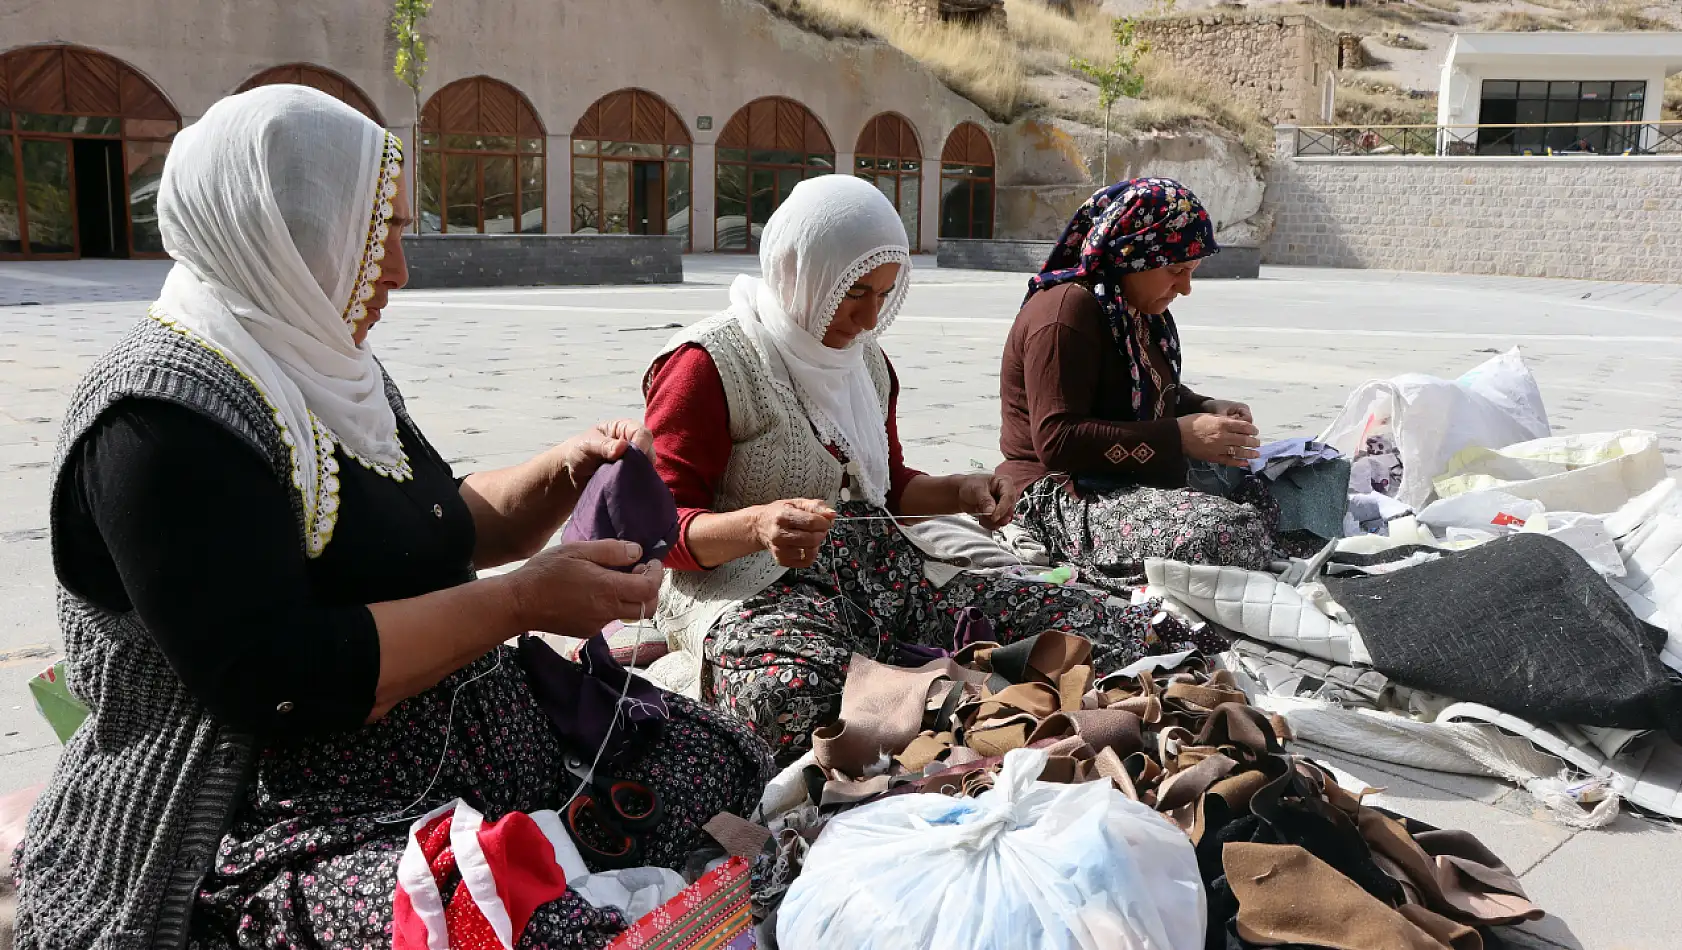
pixel 1547 93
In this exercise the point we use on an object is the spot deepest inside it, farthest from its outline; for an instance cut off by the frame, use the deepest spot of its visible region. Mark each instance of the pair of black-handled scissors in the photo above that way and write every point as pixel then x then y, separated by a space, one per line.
pixel 608 817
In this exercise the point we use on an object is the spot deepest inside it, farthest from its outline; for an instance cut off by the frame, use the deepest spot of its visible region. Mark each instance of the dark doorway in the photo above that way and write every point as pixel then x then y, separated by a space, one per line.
pixel 648 198
pixel 101 211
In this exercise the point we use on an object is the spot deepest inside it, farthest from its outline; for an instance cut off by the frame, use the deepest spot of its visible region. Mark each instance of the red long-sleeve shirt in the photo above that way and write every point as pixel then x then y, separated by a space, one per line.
pixel 690 418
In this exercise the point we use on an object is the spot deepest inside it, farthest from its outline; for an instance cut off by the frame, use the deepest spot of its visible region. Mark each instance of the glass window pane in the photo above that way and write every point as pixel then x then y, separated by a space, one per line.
pixel 69 124
pixel 762 198
pixel 910 207
pixel 429 139
pixel 678 151
pixel 731 222
pixel 5 120
pixel 1565 90
pixel 1629 90
pixel 954 169
pixel 633 149
pixel 1532 111
pixel 532 188
pixel 678 199
pixel 586 196
pixel 461 193
pixel 499 208
pixel 616 197
pixel 46 195
pixel 1597 90
pixel 981 223
pixel 910 166
pixel 431 192
pixel 530 146
pixel 584 146
pixel 1533 90
pixel 762 156
pixel 885 184
pixel 732 155
pixel 787 178
pixel 145 164
pixel 145 128
pixel 864 164
pixel 825 162
pixel 11 227
pixel 1500 89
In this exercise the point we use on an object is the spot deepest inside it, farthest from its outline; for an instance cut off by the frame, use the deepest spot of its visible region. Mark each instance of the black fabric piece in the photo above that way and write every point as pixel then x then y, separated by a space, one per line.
pixel 1011 662
pixel 581 698
pixel 1211 479
pixel 1522 624
pixel 1289 810
pixel 159 498
pixel 1391 556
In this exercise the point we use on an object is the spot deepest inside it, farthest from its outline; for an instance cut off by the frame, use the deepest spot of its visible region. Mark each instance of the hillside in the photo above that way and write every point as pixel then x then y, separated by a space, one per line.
pixel 1026 69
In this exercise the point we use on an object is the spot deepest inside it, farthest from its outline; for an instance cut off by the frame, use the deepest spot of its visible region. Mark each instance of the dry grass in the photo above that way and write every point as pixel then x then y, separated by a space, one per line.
pixel 1521 21
pixel 1037 28
pixel 1396 40
pixel 1370 102
pixel 1176 99
pixel 1374 20
pixel 983 65
pixel 1442 6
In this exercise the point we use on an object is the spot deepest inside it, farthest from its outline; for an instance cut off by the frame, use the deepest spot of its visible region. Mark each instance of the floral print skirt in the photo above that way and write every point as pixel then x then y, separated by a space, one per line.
pixel 1108 535
pixel 311 860
pixel 780 659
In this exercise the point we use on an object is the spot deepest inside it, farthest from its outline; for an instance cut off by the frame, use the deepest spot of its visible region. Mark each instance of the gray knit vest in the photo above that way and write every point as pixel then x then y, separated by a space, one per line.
pixel 120 839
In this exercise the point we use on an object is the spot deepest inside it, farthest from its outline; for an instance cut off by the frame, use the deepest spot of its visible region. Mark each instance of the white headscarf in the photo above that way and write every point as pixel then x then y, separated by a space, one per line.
pixel 275 206
pixel 830 232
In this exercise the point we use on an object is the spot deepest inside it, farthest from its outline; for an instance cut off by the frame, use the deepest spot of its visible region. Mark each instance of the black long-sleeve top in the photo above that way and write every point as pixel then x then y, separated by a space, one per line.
pixel 166 513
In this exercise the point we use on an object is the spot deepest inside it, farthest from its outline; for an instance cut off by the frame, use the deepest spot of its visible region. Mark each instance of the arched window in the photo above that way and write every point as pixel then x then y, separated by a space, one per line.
pixel 303 74
pixel 966 184
pixel 482 158
pixel 630 167
pixel 769 146
pixel 82 143
pixel 888 155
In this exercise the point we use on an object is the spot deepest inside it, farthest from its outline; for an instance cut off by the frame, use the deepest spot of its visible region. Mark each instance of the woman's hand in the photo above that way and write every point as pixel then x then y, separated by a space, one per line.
pixel 573 590
pixel 578 457
pixel 1224 440
pixel 1230 409
pixel 984 497
pixel 794 531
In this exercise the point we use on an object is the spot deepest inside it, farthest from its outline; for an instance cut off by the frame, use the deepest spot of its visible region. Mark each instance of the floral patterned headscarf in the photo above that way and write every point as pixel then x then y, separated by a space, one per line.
pixel 1135 225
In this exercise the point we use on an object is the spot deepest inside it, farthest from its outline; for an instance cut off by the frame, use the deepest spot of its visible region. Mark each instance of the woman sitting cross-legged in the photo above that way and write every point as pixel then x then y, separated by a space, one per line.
pixel 268 591
pixel 1098 429
pixel 774 425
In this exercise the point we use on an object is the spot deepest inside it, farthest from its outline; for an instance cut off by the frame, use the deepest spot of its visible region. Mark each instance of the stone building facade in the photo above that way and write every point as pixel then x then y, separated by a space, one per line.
pixel 1596 218
pixel 1281 64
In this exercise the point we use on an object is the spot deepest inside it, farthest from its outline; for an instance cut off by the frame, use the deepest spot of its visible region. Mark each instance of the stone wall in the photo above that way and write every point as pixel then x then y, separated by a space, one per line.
pixel 438 261
pixel 1608 218
pixel 1278 63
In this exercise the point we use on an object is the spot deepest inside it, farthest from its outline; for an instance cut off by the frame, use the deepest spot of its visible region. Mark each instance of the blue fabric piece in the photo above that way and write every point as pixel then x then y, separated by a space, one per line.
pixel 1313 498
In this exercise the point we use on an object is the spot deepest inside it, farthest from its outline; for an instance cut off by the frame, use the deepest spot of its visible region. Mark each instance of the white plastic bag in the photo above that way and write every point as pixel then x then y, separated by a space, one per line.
pixel 1026 865
pixel 1430 420
pixel 1596 473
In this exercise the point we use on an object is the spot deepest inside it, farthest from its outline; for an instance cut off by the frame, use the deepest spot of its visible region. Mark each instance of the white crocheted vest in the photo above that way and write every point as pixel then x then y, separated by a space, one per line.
pixel 775 454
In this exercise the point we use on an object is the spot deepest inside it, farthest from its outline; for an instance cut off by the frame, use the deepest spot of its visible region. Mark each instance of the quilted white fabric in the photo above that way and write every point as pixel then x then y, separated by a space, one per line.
pixel 1651 545
pixel 1257 605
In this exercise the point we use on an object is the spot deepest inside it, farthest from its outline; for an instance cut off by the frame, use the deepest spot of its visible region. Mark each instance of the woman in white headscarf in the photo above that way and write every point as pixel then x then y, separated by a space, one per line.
pixel 269 599
pixel 775 427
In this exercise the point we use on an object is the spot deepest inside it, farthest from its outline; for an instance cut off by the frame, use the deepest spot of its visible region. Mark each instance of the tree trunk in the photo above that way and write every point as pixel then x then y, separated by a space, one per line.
pixel 415 174
pixel 1106 182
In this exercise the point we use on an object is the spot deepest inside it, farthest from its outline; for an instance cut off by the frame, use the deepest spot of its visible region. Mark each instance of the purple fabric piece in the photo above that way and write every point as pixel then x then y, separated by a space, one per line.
pixel 579 699
pixel 914 655
pixel 973 627
pixel 628 501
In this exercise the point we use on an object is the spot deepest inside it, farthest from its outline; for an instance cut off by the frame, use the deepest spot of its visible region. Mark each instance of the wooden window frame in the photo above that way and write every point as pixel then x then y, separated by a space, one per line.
pixel 443 151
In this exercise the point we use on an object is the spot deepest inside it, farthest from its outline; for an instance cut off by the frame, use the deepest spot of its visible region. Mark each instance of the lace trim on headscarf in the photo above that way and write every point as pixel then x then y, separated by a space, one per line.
pixel 861 267
pixel 379 229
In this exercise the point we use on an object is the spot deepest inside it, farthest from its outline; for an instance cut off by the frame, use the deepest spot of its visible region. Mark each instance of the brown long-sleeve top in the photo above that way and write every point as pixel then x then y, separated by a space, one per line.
pixel 1065 396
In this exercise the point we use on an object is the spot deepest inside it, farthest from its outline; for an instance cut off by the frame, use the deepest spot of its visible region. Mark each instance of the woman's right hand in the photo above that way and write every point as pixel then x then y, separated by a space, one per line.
pixel 1224 440
pixel 573 589
pixel 794 530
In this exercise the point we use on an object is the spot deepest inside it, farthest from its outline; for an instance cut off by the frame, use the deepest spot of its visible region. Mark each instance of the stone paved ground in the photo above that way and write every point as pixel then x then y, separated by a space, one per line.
pixel 494 376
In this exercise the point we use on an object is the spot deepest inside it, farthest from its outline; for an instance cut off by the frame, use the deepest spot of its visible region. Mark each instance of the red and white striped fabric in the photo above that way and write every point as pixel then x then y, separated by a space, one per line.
pixel 508 869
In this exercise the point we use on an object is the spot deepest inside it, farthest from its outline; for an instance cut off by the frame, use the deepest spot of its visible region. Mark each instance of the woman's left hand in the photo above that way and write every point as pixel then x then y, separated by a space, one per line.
pixel 984 497
pixel 580 456
pixel 1230 409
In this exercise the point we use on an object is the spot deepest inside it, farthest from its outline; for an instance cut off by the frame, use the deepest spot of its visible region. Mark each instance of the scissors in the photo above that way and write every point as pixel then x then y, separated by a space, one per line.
pixel 608 817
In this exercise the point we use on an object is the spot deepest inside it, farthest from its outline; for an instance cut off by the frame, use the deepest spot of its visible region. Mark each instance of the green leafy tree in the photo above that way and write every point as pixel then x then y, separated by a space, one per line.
pixel 1118 78
pixel 409 63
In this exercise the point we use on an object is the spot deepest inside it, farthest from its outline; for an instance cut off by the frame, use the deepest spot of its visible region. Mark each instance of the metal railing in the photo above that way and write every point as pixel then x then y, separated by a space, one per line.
pixel 1540 140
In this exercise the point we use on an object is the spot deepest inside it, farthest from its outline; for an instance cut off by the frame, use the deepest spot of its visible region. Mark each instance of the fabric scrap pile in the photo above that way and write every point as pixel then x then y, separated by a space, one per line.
pixel 1508 602
pixel 1171 734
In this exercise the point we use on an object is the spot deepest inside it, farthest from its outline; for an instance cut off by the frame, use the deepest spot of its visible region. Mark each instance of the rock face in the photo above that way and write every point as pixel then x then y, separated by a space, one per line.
pixel 1278 63
pixel 1047 167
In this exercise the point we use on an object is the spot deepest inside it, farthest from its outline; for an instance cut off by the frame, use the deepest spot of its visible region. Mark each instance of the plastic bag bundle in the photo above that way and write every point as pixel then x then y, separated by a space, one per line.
pixel 1028 864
